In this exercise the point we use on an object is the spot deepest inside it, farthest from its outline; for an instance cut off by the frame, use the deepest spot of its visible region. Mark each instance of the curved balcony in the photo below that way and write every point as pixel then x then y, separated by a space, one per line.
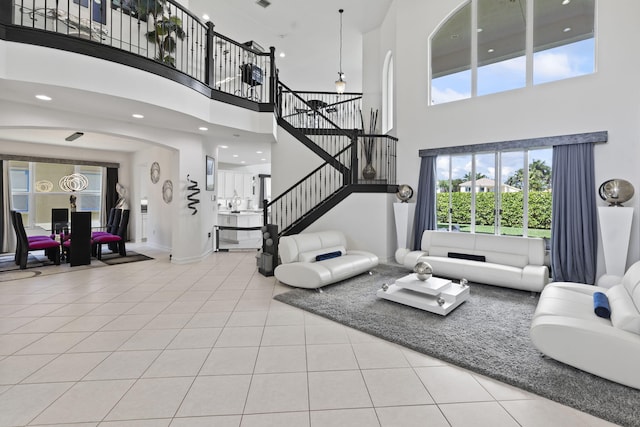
pixel 157 36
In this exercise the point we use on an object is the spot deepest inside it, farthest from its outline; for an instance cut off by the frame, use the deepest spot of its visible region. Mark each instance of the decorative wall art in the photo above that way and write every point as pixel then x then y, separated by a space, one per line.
pixel 167 191
pixel 210 174
pixel 155 172
pixel 194 191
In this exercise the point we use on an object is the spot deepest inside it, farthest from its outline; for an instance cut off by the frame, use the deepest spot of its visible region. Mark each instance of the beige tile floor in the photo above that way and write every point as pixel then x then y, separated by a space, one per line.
pixel 157 344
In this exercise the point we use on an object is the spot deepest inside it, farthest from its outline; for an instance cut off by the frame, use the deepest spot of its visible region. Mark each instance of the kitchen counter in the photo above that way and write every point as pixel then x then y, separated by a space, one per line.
pixel 242 219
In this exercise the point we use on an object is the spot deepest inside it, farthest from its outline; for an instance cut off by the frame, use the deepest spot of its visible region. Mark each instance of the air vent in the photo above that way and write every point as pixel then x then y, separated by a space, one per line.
pixel 74 136
pixel 263 3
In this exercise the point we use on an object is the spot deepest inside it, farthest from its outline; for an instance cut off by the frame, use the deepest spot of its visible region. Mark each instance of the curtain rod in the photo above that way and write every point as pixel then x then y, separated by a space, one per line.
pixel 546 141
pixel 23 158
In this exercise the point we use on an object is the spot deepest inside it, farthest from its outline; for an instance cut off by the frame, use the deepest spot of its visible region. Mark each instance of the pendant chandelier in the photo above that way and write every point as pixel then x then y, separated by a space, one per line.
pixel 341 84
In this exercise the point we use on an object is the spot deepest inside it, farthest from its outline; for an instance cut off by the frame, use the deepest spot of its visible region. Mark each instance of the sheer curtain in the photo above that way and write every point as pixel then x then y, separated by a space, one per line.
pixel 574 232
pixel 425 218
pixel 7 238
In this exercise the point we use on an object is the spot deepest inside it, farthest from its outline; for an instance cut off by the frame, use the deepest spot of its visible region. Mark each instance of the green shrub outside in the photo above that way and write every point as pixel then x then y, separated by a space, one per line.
pixel 511 218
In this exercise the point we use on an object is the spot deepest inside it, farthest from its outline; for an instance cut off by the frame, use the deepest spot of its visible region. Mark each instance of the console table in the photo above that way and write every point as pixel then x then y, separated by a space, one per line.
pixel 436 295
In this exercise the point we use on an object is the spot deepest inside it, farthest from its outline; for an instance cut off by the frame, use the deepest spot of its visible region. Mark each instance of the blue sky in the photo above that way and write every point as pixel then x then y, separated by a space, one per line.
pixel 559 63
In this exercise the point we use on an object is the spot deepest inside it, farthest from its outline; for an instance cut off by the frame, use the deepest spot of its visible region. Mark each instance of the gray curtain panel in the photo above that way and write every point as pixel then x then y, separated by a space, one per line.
pixel 574 224
pixel 425 218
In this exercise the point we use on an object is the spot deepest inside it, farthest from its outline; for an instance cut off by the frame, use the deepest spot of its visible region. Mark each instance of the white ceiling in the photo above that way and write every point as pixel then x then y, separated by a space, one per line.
pixel 307 31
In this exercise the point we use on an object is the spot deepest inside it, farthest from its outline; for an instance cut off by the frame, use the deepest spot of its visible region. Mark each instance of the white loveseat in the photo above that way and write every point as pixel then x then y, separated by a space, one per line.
pixel 513 262
pixel 300 268
pixel 566 328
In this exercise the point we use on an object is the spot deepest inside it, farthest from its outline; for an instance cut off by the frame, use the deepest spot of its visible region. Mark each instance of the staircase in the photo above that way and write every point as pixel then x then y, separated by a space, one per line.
pixel 330 125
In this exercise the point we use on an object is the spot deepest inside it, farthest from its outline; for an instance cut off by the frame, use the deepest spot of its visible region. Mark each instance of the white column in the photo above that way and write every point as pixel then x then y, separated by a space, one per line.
pixel 404 213
pixel 615 227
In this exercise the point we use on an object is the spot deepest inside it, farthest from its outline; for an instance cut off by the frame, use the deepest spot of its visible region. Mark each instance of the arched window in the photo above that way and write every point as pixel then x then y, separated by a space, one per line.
pixel 489 46
pixel 387 93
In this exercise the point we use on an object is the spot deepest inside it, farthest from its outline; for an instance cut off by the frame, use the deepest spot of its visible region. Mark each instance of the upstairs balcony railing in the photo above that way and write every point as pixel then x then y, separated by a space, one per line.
pixel 161 30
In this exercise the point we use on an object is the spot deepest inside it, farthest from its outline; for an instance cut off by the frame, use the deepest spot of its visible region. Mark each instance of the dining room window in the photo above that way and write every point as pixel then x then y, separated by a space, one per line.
pixel 36 189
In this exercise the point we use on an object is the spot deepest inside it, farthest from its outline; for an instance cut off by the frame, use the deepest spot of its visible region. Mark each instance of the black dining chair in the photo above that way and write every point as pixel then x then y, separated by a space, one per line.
pixel 24 245
pixel 114 240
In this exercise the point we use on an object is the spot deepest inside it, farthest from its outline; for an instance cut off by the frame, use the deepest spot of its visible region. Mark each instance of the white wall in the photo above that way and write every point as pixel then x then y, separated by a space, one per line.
pixel 362 217
pixel 290 162
pixel 606 100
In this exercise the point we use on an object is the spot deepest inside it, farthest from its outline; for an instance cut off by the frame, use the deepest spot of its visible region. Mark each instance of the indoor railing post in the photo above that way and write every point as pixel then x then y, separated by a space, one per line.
pixel 6 12
pixel 208 66
pixel 354 157
pixel 265 206
pixel 272 74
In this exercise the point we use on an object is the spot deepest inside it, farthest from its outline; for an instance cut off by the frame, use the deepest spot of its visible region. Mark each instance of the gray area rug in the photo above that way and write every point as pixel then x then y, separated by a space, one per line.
pixel 487 334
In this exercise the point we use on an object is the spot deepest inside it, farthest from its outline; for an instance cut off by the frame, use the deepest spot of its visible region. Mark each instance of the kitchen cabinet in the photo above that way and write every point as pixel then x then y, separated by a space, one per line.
pixel 240 182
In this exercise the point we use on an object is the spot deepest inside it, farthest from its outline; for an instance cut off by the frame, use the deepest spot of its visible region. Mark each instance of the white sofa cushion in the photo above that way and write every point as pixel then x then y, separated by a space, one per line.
pixel 624 314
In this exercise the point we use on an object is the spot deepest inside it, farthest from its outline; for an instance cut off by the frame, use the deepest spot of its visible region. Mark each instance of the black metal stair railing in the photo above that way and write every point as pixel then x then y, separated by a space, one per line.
pixel 159 30
pixel 295 204
pixel 326 120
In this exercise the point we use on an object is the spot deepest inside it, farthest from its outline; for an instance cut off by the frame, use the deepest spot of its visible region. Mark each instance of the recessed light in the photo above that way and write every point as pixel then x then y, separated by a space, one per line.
pixel 282 55
pixel 479 30
pixel 565 2
pixel 490 51
pixel 43 97
pixel 235 155
pixel 203 128
pixel 243 161
pixel 566 30
pixel 223 146
pixel 137 116
pixel 205 17
pixel 258 152
pixel 264 160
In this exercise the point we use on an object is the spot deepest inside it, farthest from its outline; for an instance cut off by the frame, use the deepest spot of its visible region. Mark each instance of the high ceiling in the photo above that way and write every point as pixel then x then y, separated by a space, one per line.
pixel 306 32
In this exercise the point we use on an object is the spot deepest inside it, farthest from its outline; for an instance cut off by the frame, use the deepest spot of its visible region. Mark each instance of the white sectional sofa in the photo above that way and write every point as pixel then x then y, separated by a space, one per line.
pixel 513 262
pixel 299 266
pixel 566 328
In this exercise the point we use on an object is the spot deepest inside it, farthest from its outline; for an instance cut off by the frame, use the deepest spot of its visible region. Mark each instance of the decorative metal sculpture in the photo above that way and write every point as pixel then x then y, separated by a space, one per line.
pixel 405 192
pixel 423 270
pixel 155 172
pixel 167 191
pixel 616 191
pixel 122 197
pixel 191 196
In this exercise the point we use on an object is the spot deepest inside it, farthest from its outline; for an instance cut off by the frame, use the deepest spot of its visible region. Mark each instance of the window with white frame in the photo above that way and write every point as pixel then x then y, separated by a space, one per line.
pixel 502 192
pixel 387 93
pixel 35 190
pixel 490 46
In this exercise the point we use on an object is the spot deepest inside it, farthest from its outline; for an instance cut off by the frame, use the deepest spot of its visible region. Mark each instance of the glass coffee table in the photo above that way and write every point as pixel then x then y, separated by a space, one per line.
pixel 436 295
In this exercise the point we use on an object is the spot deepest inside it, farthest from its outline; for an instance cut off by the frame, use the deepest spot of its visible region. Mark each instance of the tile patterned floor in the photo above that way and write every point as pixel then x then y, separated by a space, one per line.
pixel 152 344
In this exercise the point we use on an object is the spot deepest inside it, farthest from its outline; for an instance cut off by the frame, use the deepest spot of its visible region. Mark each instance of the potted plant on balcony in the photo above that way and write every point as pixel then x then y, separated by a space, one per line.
pixel 368 144
pixel 165 31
